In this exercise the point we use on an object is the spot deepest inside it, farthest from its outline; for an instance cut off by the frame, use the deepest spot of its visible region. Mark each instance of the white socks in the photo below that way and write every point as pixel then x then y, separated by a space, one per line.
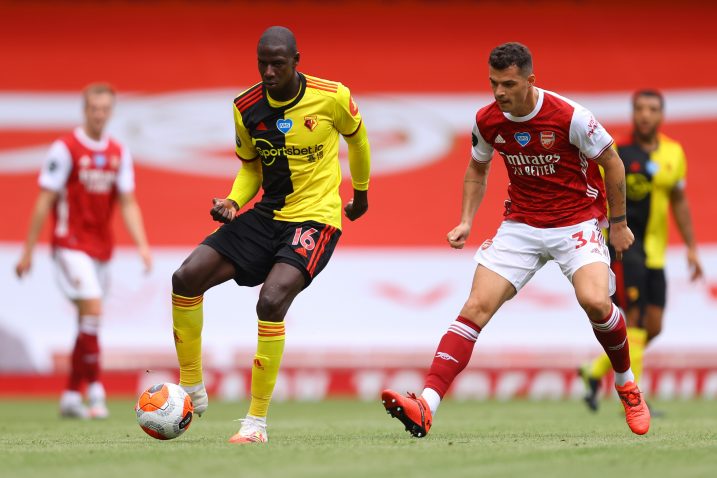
pixel 432 399
pixel 621 378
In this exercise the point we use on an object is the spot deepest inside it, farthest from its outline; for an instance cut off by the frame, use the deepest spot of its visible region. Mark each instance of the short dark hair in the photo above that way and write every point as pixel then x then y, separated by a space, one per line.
pixel 279 36
pixel 649 93
pixel 509 54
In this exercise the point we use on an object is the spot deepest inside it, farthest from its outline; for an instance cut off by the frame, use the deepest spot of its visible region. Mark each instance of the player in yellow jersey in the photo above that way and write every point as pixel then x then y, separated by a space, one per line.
pixel 655 170
pixel 287 136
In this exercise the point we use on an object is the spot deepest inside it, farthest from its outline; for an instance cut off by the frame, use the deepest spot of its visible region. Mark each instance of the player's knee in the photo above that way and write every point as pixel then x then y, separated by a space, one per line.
pixel 596 308
pixel 477 310
pixel 653 331
pixel 271 306
pixel 183 283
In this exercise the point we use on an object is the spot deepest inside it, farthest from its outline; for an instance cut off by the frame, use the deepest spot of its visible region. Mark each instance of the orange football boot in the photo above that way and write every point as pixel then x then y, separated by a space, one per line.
pixel 252 431
pixel 637 414
pixel 410 410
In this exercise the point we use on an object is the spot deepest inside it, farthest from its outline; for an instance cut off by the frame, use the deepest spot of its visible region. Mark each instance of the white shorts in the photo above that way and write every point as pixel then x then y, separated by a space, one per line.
pixel 79 275
pixel 518 250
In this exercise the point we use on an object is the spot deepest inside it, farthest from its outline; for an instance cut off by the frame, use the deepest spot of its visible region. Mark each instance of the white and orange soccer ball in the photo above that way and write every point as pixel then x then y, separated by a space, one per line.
pixel 164 411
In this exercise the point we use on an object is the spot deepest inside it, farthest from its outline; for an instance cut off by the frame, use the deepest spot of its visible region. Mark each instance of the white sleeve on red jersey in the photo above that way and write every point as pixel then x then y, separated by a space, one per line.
pixel 125 173
pixel 482 151
pixel 587 134
pixel 56 168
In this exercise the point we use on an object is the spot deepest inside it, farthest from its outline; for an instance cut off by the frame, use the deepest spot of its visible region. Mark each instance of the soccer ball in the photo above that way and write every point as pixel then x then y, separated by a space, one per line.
pixel 164 411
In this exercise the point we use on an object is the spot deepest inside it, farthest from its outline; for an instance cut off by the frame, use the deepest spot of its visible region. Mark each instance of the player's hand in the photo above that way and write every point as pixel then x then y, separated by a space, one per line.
pixel 357 206
pixel 224 210
pixel 621 238
pixel 24 264
pixel 146 259
pixel 693 263
pixel 458 235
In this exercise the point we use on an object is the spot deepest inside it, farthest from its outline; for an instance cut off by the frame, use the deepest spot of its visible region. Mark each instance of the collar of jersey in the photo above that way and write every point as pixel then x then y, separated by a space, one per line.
pixel 285 105
pixel 531 115
pixel 88 142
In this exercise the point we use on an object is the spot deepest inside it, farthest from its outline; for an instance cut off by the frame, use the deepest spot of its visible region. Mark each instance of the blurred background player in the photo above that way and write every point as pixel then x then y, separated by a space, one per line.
pixel 552 148
pixel 287 135
pixel 86 172
pixel 655 169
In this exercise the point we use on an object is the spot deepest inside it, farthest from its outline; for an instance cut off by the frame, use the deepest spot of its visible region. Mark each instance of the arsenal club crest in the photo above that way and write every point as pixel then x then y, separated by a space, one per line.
pixel 310 122
pixel 547 139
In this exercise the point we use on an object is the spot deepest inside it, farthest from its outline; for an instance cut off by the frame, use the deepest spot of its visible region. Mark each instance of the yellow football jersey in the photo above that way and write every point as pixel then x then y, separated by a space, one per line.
pixel 297 142
pixel 651 178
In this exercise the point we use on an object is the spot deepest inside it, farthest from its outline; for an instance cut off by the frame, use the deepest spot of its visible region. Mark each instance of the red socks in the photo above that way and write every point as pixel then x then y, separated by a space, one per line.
pixel 453 354
pixel 85 363
pixel 612 335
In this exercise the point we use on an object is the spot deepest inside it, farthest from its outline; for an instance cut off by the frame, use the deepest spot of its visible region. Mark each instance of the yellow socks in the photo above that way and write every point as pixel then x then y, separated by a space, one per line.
pixel 637 338
pixel 600 367
pixel 269 350
pixel 187 318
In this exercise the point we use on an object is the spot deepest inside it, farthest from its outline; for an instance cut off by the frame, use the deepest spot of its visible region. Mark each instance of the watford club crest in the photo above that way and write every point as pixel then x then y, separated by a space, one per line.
pixel 311 122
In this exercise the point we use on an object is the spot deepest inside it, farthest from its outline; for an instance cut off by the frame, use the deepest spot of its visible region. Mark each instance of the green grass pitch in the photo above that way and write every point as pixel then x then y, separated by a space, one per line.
pixel 357 439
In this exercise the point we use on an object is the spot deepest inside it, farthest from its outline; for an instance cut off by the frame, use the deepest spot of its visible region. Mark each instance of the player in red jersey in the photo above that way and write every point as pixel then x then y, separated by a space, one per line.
pixel 85 174
pixel 552 148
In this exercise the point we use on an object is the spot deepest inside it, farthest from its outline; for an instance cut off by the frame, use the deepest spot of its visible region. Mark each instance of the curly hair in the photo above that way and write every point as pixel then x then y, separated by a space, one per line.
pixel 509 54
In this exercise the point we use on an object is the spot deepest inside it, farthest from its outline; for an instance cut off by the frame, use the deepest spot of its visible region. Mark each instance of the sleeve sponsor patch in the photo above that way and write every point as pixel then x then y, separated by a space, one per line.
pixel 353 108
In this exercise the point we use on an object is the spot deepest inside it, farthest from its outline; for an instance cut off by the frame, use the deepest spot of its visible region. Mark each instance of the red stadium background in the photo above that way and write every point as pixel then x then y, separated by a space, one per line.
pixel 380 48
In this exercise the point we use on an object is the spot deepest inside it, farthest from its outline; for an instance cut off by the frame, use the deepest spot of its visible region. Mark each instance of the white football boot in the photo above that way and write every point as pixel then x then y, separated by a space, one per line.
pixel 96 400
pixel 253 430
pixel 200 399
pixel 71 405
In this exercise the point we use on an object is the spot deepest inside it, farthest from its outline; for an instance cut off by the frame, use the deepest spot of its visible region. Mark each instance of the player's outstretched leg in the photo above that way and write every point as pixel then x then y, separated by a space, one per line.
pixel 453 354
pixel 637 414
pixel 410 410
pixel 612 335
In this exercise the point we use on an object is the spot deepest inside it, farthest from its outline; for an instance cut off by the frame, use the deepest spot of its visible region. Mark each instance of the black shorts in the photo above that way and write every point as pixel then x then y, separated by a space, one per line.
pixel 254 243
pixel 638 285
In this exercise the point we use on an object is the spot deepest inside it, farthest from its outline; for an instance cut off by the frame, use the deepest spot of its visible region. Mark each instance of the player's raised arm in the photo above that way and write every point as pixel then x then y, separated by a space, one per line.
pixel 621 236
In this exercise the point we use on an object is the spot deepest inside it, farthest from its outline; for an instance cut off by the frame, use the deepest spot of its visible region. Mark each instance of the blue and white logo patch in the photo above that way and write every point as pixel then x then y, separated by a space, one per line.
pixel 652 167
pixel 522 138
pixel 284 125
pixel 100 160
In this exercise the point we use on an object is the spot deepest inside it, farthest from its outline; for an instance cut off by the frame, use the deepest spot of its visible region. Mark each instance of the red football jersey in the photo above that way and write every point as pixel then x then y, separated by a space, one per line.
pixel 87 174
pixel 548 154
